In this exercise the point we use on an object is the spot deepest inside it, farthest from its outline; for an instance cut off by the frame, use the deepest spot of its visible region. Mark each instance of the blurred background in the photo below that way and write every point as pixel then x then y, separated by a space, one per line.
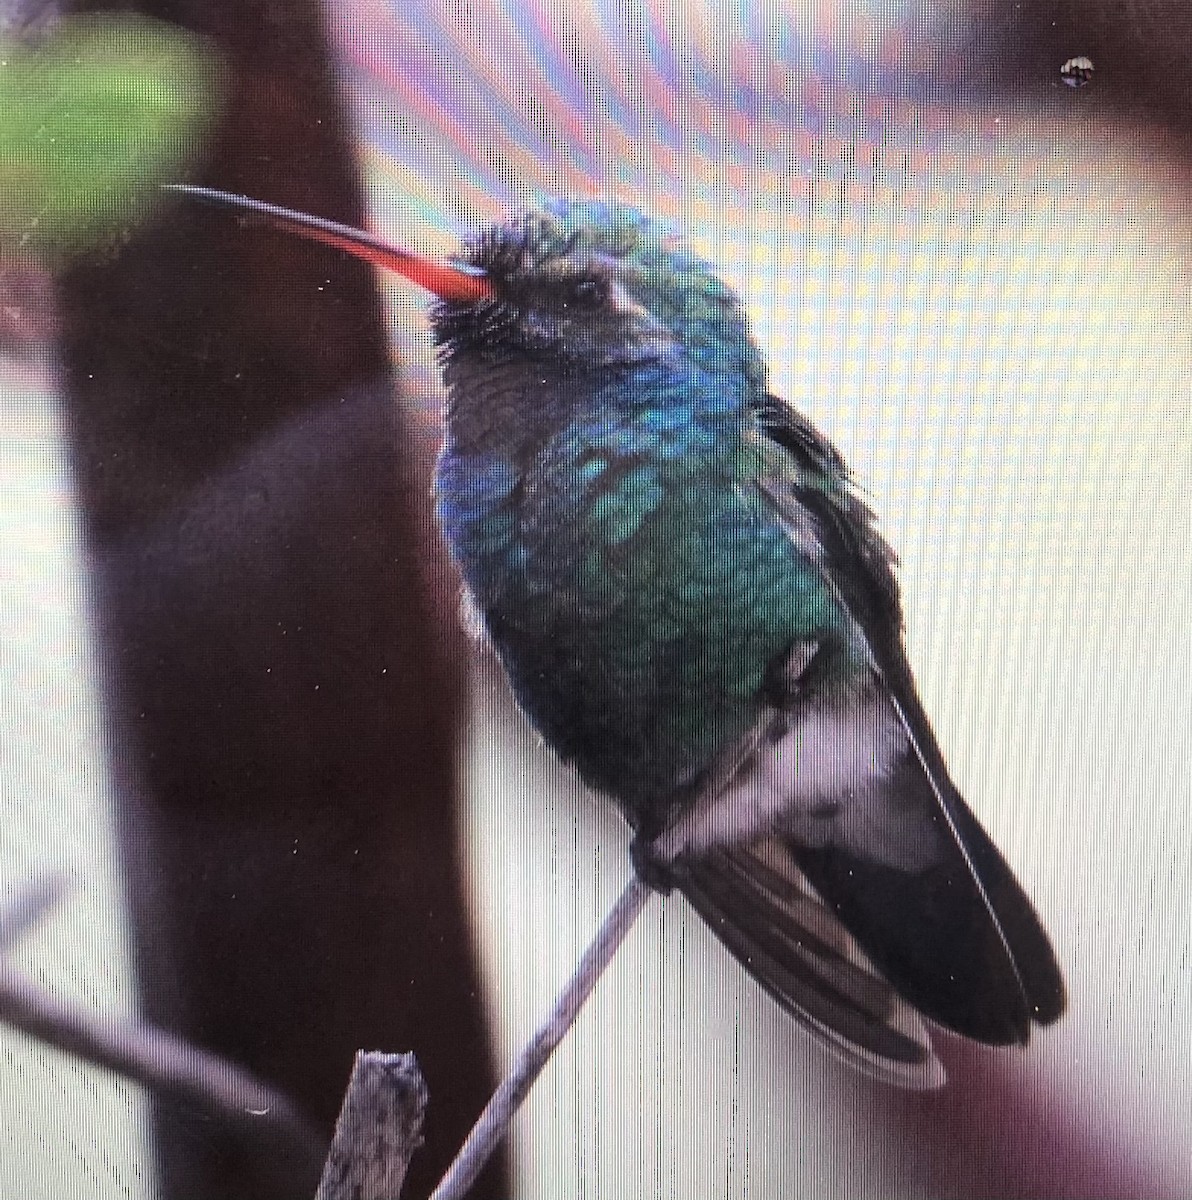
pixel 300 812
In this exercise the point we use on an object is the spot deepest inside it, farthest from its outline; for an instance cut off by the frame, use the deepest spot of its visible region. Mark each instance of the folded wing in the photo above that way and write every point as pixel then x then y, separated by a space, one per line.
pixel 835 858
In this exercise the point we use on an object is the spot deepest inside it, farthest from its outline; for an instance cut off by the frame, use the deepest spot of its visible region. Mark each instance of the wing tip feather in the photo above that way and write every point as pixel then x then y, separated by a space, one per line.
pixel 828 986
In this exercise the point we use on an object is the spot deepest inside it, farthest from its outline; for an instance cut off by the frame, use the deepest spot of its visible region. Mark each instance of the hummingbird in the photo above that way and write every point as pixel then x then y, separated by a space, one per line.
pixel 694 607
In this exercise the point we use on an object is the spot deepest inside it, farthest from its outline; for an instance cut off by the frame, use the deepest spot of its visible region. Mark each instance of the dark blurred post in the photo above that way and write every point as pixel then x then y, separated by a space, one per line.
pixel 282 704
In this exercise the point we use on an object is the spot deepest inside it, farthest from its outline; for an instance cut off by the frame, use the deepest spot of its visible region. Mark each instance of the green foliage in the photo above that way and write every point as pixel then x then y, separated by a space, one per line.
pixel 93 119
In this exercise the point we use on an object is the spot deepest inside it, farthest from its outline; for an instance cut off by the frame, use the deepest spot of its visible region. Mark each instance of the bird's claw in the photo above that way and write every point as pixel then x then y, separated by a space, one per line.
pixel 653 868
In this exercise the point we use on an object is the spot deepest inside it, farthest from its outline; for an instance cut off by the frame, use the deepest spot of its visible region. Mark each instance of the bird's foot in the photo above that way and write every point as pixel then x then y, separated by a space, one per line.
pixel 653 867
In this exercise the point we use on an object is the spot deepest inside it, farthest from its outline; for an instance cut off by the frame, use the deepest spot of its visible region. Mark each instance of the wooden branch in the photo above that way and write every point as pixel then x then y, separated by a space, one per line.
pixel 378 1130
pixel 32 904
pixel 380 1123
pixel 151 1057
pixel 162 1061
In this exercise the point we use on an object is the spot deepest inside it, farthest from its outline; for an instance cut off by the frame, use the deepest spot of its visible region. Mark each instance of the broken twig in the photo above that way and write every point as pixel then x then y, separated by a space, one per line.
pixel 378 1130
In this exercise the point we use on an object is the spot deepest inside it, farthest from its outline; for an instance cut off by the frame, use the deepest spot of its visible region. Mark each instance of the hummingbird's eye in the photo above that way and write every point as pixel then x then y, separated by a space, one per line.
pixel 590 292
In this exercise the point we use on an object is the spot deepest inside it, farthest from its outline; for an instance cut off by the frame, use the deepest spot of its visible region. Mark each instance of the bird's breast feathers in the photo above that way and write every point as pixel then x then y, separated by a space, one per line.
pixel 638 599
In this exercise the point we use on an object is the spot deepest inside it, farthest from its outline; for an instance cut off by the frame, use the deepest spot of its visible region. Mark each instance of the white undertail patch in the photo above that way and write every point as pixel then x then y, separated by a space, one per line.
pixel 819 774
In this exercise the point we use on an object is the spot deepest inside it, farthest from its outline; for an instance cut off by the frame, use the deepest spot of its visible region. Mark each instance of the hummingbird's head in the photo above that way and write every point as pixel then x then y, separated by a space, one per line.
pixel 588 286
pixel 574 288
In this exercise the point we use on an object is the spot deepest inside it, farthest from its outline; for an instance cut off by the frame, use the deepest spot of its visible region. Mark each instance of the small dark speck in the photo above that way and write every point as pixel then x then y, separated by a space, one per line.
pixel 1077 72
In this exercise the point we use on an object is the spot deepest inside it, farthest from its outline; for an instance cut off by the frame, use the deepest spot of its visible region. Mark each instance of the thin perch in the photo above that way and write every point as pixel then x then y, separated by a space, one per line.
pixel 493 1125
